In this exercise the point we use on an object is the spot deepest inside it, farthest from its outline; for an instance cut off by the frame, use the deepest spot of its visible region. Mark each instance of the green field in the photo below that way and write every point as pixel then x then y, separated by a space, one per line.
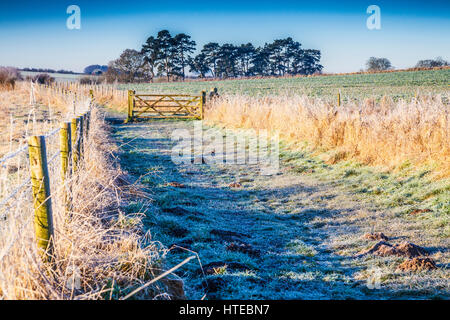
pixel 358 86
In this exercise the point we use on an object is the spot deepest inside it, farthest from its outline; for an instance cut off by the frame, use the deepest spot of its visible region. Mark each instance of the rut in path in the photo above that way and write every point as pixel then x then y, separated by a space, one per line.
pixel 265 237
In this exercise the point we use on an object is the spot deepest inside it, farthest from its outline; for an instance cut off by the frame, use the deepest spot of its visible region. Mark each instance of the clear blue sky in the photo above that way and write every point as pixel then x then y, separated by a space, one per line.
pixel 34 33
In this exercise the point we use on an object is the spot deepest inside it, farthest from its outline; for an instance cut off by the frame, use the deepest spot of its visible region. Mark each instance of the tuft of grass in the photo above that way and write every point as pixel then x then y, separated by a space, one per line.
pixel 299 247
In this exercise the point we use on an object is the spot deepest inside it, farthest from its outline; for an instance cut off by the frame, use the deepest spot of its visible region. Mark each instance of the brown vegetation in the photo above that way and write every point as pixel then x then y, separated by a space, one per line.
pixel 8 78
pixel 375 133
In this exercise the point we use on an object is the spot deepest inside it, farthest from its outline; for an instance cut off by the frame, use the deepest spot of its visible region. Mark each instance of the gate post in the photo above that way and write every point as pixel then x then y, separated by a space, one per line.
pixel 204 97
pixel 202 103
pixel 130 105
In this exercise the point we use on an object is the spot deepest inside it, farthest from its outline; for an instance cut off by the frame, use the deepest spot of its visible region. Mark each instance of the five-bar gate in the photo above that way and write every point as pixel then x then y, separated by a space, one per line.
pixel 154 106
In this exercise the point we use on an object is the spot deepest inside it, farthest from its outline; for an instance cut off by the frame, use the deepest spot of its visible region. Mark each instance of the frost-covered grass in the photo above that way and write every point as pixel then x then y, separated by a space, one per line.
pixel 307 223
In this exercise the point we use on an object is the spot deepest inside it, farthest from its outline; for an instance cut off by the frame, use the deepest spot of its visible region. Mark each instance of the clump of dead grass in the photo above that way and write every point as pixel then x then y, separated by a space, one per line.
pixel 115 99
pixel 8 78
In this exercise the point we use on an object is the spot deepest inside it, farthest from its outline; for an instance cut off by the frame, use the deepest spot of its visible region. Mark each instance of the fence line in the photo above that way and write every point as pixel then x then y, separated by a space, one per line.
pixel 39 180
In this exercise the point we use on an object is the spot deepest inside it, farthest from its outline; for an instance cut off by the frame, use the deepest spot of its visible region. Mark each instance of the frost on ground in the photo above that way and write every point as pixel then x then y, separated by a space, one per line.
pixel 294 235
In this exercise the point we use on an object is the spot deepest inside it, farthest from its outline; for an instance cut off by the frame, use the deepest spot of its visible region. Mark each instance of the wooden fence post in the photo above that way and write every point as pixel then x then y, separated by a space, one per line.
pixel 40 182
pixel 65 143
pixel 202 103
pixel 88 120
pixel 81 132
pixel 130 105
pixel 339 98
pixel 85 125
pixel 75 135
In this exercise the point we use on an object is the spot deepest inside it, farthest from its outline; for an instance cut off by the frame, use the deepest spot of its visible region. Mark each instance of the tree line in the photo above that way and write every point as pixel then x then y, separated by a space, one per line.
pixel 172 57
pixel 383 64
pixel 62 71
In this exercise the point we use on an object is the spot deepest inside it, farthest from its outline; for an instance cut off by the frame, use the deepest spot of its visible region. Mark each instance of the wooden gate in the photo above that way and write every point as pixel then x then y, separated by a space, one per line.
pixel 157 106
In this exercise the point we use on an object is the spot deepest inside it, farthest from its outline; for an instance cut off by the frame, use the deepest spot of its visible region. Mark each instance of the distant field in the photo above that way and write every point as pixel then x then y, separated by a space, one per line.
pixel 59 77
pixel 21 117
pixel 358 86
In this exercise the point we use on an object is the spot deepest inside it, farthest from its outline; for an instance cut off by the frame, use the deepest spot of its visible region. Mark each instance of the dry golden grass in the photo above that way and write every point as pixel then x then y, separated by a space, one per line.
pixel 386 133
pixel 104 94
pixel 115 99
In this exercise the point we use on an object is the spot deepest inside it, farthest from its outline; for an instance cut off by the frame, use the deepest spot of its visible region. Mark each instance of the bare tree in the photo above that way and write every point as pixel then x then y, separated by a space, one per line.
pixel 430 63
pixel 378 64
pixel 130 67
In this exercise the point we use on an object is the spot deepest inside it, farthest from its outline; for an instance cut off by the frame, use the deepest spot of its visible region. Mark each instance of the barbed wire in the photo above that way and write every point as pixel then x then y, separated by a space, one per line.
pixel 13 154
pixel 14 193
pixel 52 133
pixel 5 250
pixel 52 158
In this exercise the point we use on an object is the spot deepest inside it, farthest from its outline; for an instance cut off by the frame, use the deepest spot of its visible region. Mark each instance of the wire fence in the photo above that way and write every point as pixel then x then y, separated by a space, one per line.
pixel 17 197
